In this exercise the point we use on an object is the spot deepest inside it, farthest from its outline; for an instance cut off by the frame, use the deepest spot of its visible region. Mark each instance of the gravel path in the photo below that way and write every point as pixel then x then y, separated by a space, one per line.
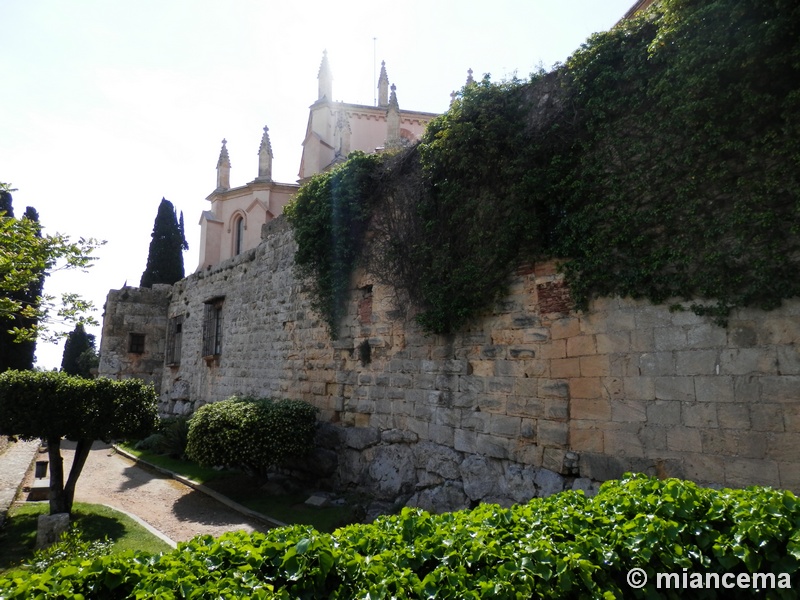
pixel 177 511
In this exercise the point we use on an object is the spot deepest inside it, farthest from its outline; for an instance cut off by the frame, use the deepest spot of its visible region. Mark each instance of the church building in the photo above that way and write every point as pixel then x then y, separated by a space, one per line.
pixel 233 223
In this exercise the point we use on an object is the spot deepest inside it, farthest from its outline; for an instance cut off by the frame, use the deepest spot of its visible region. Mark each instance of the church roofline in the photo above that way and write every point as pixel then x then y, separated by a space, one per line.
pixel 372 109
pixel 243 190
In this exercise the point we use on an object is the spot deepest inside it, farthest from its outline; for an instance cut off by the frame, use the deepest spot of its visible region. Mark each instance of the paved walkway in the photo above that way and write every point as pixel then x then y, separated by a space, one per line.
pixel 14 464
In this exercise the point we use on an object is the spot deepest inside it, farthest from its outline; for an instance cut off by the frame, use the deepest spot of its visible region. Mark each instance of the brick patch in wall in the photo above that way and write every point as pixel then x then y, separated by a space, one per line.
pixel 554 297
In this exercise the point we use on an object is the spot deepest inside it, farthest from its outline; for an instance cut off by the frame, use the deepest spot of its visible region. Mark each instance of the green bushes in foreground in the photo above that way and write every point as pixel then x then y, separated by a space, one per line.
pixel 252 433
pixel 564 546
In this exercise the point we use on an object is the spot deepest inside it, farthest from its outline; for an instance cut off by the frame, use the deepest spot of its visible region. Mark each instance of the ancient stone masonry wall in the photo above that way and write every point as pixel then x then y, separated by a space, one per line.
pixel 531 399
pixel 139 312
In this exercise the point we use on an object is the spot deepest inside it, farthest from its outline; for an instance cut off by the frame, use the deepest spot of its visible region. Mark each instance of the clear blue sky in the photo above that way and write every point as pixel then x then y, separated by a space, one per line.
pixel 109 106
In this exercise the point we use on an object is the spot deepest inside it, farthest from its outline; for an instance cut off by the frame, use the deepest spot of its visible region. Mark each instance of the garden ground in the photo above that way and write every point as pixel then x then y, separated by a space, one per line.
pixel 175 510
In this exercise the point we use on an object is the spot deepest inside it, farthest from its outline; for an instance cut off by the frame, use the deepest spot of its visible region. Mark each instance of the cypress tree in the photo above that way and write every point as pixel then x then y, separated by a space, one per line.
pixel 165 259
pixel 79 353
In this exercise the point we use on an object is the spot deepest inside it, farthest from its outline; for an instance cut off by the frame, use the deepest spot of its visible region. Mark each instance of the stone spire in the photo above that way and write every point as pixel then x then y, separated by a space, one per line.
pixel 224 168
pixel 325 78
pixel 469 77
pixel 383 87
pixel 265 157
pixel 393 121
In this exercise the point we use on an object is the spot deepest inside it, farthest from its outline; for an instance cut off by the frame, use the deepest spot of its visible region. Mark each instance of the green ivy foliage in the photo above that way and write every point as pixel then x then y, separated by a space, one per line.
pixel 683 179
pixel 564 546
pixel 480 211
pixel 253 433
pixel 662 161
pixel 329 216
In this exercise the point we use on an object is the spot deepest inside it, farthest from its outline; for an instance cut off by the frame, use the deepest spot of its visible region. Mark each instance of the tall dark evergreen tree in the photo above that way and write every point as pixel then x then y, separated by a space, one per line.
pixel 6 203
pixel 165 259
pixel 15 354
pixel 79 355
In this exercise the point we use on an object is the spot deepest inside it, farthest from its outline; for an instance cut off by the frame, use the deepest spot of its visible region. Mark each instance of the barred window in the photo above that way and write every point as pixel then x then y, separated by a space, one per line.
pixel 212 328
pixel 136 343
pixel 174 340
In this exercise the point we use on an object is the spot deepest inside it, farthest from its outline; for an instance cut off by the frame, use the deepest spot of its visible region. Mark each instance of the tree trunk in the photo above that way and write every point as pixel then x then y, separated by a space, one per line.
pixel 62 496
pixel 58 503
pixel 82 450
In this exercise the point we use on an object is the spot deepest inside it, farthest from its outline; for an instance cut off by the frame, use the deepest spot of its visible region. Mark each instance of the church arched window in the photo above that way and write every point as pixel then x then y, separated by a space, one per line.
pixel 238 235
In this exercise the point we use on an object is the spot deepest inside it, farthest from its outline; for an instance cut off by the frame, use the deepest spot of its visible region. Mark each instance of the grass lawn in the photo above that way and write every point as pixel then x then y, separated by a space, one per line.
pixel 18 535
pixel 186 468
pixel 289 508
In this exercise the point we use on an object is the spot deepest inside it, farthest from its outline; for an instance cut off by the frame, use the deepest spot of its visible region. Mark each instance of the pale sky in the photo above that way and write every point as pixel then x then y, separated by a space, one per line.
pixel 106 107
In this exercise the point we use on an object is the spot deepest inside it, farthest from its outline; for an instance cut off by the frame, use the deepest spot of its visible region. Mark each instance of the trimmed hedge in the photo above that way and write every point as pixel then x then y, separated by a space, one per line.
pixel 564 546
pixel 253 433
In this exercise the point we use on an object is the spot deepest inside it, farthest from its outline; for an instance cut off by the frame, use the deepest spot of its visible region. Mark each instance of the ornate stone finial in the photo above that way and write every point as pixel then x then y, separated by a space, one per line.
pixel 453 97
pixel 469 77
pixel 383 87
pixel 265 144
pixel 325 78
pixel 393 121
pixel 224 168
pixel 265 156
pixel 224 159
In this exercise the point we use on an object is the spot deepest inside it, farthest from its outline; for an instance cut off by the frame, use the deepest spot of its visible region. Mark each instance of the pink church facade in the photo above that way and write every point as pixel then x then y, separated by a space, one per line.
pixel 233 222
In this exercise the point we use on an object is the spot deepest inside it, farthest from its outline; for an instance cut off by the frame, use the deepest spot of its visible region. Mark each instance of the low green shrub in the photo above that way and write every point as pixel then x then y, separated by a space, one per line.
pixel 564 546
pixel 251 433
pixel 70 546
pixel 170 438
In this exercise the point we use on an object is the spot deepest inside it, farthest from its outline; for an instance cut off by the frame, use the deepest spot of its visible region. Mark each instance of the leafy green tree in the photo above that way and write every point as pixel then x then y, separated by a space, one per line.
pixel 53 406
pixel 25 254
pixel 14 353
pixel 79 355
pixel 165 258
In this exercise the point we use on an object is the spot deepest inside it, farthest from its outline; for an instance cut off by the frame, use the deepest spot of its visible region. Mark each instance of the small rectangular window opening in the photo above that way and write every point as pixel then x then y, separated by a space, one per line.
pixel 174 340
pixel 212 328
pixel 136 343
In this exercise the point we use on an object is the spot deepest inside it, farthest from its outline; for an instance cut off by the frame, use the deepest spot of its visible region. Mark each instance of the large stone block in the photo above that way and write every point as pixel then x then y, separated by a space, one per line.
pixel 446 497
pixel 581 345
pixel 391 472
pixel 585 440
pixel 684 439
pixel 675 388
pixel 745 361
pixel 548 482
pixel 519 482
pixel 582 409
pixel 553 434
pixel 743 472
pixel 50 528
pixel 481 476
pixel 437 459
pixel 699 414
pixel 785 388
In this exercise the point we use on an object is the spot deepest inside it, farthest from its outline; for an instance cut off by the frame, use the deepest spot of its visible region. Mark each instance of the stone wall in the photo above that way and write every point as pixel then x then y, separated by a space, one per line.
pixel 135 311
pixel 531 399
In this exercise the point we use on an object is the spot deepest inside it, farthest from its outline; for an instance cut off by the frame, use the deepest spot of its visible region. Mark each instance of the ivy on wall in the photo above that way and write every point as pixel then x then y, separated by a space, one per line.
pixel 329 215
pixel 662 161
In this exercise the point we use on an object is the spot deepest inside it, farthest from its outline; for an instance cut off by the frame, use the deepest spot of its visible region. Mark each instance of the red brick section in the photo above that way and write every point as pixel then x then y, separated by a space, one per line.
pixel 365 308
pixel 554 297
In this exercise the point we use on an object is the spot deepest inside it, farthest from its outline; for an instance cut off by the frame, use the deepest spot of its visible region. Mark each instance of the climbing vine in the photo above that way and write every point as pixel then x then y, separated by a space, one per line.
pixel 329 216
pixel 662 161
pixel 683 181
